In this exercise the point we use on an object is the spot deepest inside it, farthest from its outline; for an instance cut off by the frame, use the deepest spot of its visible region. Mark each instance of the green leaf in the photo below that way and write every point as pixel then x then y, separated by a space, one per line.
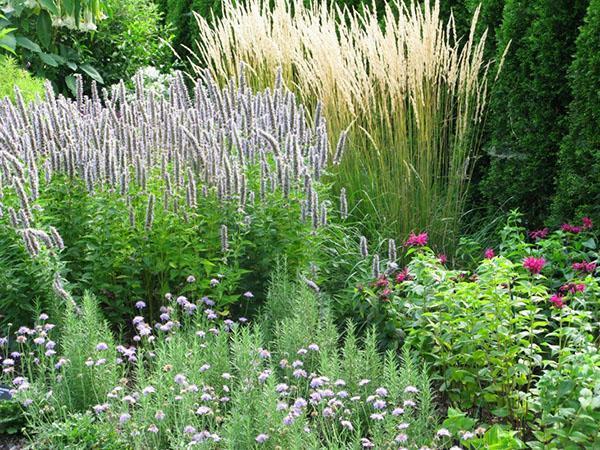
pixel 22 41
pixel 44 28
pixel 49 6
pixel 70 81
pixel 590 243
pixel 93 73
pixel 48 59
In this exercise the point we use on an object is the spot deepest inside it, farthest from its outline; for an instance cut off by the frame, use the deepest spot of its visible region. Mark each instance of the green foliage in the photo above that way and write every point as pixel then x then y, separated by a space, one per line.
pixel 569 402
pixel 529 102
pixel 34 32
pixel 131 37
pixel 90 373
pixel 489 333
pixel 578 187
pixel 13 76
pixel 79 432
pixel 12 419
pixel 25 282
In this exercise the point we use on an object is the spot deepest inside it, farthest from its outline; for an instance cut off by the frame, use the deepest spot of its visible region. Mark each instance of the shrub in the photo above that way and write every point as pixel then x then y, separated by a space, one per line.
pixel 231 186
pixel 411 139
pixel 26 284
pixel 489 334
pixel 578 189
pixel 528 104
pixel 13 76
pixel 192 379
pixel 129 38
pixel 569 402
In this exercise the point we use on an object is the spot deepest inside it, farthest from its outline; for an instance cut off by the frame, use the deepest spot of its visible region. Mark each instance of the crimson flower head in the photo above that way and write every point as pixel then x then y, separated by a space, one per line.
pixel 382 281
pixel 442 258
pixel 558 301
pixel 587 223
pixel 584 266
pixel 402 275
pixel 570 228
pixel 416 240
pixel 489 253
pixel 572 288
pixel 533 264
pixel 539 234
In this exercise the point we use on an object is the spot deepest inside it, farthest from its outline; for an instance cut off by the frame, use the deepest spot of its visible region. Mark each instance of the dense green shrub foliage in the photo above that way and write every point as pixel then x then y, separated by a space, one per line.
pixel 579 162
pixel 529 103
pixel 13 76
pixel 132 36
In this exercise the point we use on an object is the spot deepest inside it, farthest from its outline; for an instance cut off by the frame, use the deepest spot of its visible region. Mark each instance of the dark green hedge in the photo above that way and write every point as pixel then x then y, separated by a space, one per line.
pixel 579 161
pixel 529 103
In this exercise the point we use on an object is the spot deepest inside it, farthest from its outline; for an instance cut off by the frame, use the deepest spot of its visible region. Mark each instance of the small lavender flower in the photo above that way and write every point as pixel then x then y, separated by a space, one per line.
pixel 123 418
pixel 261 438
pixel 101 346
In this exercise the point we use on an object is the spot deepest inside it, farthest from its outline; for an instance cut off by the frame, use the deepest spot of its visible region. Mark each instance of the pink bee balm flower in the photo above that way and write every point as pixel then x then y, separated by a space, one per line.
pixel 584 266
pixel 442 258
pixel 587 223
pixel 416 240
pixel 558 300
pixel 539 234
pixel 402 275
pixel 533 264
pixel 570 228
pixel 489 253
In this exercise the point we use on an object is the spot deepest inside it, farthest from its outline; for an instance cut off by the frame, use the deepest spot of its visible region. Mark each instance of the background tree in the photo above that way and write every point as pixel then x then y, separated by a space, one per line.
pixel 529 103
pixel 579 162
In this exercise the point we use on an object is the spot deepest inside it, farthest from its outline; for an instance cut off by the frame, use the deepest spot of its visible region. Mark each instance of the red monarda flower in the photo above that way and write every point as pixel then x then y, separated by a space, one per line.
pixel 558 301
pixel 572 288
pixel 382 281
pixel 584 266
pixel 533 264
pixel 442 258
pixel 416 240
pixel 539 234
pixel 570 228
pixel 489 253
pixel 587 223
pixel 402 275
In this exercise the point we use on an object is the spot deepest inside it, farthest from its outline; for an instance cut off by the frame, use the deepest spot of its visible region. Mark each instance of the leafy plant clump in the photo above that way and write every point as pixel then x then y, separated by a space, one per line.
pixel 142 190
pixel 13 76
pixel 192 379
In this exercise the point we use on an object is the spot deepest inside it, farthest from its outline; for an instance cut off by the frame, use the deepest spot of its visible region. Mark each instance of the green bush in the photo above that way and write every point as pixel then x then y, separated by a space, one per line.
pixel 528 104
pixel 579 161
pixel 569 402
pixel 78 432
pixel 489 334
pixel 13 76
pixel 193 379
pixel 132 36
pixel 25 282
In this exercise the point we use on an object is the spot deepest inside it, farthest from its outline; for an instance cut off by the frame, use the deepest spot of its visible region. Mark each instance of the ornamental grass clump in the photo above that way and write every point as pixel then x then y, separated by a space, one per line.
pixel 405 96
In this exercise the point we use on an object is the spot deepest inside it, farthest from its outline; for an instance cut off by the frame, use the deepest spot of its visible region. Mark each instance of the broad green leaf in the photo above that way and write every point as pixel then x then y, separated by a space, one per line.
pixel 44 28
pixel 48 59
pixel 93 73
pixel 49 6
pixel 22 41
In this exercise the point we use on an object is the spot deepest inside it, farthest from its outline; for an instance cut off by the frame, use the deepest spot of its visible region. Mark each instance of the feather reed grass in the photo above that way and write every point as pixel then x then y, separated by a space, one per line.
pixel 410 94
